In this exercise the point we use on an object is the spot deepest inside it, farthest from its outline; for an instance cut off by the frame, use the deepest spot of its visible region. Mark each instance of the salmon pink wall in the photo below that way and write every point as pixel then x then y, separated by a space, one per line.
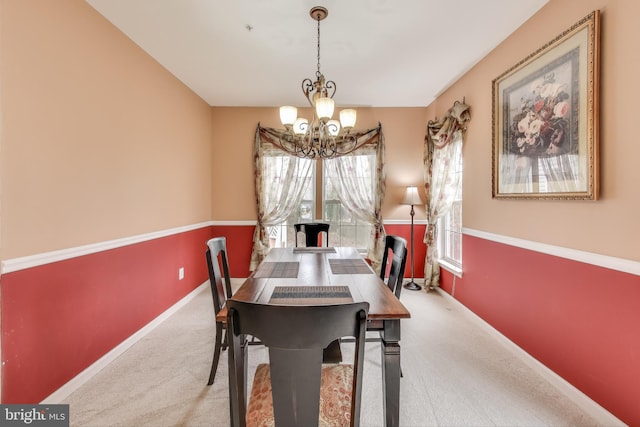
pixel 233 139
pixel 59 318
pixel 580 225
pixel 131 150
pixel 419 250
pixel 239 244
pixel 98 141
pixel 579 320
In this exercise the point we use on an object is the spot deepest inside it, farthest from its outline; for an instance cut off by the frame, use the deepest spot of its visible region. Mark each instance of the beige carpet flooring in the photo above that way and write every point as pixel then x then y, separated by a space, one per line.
pixel 456 373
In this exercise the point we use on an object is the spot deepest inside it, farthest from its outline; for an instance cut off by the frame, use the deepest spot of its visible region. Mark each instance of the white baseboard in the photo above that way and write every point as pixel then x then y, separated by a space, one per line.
pixel 76 382
pixel 583 401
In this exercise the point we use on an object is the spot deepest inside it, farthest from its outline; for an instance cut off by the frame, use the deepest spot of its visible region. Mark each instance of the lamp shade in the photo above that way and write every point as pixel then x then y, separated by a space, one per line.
pixel 324 108
pixel 348 118
pixel 412 197
pixel 288 115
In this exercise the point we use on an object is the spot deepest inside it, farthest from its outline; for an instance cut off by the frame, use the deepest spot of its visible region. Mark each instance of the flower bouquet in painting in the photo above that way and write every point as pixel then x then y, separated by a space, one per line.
pixel 542 125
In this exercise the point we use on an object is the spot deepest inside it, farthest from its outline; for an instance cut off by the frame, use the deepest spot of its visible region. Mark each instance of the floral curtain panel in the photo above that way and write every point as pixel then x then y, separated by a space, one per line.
pixel 279 191
pixel 443 145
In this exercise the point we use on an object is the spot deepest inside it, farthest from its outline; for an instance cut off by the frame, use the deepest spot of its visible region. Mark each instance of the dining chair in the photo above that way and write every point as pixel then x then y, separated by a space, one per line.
pixel 311 232
pixel 398 260
pixel 295 388
pixel 221 290
pixel 393 264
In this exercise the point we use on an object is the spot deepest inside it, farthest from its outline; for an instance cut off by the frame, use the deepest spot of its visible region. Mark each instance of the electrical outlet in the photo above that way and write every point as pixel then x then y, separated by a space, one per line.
pixel 181 273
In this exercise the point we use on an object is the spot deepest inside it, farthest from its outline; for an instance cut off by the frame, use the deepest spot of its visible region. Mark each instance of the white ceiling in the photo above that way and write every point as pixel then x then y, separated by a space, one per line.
pixel 380 53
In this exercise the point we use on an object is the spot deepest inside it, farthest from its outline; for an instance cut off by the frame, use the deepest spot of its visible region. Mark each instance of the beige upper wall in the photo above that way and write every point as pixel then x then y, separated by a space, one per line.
pixel 233 140
pixel 98 140
pixel 608 226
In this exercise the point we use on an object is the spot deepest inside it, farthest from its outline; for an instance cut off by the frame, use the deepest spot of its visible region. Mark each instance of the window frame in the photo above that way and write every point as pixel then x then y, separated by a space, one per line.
pixel 286 233
pixel 448 236
pixel 358 224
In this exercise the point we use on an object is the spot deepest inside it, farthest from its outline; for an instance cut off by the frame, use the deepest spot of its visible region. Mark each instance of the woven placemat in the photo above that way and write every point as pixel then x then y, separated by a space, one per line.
pixel 310 295
pixel 282 270
pixel 349 266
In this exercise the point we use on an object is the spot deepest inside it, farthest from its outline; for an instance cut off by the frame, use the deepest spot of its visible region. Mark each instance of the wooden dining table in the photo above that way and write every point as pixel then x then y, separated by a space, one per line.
pixel 332 275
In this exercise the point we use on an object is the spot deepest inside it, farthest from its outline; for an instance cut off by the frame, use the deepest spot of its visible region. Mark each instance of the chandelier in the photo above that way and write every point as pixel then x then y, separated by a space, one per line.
pixel 323 136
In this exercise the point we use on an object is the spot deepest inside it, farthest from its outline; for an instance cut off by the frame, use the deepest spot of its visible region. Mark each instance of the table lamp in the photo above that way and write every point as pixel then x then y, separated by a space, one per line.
pixel 412 197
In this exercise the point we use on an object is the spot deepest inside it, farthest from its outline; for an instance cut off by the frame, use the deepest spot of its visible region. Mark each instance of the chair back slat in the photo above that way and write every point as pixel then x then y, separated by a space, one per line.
pixel 398 248
pixel 312 232
pixel 220 284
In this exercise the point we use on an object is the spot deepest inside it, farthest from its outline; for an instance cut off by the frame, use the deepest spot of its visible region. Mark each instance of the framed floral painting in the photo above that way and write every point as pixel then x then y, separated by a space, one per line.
pixel 545 119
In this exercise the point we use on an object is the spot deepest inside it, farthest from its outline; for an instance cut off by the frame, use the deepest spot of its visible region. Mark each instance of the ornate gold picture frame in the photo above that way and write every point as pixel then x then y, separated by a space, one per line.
pixel 545 120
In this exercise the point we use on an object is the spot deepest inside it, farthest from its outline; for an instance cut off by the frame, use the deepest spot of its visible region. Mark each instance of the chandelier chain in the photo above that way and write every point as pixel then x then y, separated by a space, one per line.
pixel 318 19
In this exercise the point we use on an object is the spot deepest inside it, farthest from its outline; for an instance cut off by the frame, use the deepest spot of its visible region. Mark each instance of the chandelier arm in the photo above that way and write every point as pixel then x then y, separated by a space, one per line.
pixel 315 144
pixel 330 88
pixel 333 128
pixel 307 89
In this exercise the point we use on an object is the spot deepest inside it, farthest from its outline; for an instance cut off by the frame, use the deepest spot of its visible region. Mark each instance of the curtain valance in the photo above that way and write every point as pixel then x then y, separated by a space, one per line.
pixel 363 137
pixel 440 132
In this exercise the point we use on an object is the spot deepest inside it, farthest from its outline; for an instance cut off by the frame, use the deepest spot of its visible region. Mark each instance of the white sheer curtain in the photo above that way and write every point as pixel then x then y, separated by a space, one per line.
pixel 280 181
pixel 443 146
pixel 359 180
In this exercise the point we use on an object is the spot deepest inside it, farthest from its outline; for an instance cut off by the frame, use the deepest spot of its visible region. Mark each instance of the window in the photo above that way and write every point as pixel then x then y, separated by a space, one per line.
pixel 449 227
pixel 283 235
pixel 346 228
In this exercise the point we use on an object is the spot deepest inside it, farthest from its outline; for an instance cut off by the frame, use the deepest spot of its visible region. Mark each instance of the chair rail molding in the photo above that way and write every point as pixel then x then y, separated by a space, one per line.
pixel 30 261
pixel 613 263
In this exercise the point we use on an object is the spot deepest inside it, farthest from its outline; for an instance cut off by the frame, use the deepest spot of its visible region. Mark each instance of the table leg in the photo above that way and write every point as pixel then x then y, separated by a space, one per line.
pixel 237 380
pixel 391 372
